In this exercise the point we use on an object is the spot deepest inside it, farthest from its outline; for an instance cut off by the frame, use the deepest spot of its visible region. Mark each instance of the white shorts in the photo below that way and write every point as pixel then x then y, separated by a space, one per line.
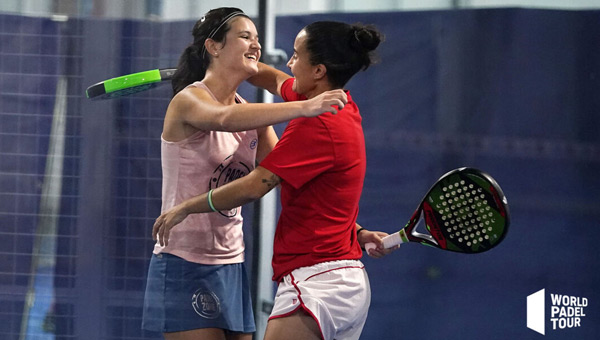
pixel 336 294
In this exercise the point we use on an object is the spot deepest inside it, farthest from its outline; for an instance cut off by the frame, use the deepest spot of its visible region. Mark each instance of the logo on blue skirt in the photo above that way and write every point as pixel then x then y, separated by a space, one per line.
pixel 206 304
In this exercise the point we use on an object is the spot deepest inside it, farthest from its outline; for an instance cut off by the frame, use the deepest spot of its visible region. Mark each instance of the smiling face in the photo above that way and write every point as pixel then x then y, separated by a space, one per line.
pixel 300 66
pixel 240 50
pixel 309 79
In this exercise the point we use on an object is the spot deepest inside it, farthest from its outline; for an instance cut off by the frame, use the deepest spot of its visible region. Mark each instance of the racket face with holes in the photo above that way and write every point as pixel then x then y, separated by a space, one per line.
pixel 465 211
pixel 130 84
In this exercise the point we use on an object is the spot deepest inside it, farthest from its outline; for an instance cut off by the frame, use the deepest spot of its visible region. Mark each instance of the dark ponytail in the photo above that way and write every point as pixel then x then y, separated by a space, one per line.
pixel 194 60
pixel 191 68
pixel 344 49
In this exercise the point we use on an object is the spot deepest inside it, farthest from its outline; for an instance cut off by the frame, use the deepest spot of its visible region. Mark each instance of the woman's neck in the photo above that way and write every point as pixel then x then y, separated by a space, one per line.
pixel 223 88
pixel 319 88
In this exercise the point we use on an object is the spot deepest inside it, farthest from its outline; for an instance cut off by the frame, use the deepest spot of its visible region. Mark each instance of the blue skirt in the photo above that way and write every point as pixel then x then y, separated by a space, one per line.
pixel 182 296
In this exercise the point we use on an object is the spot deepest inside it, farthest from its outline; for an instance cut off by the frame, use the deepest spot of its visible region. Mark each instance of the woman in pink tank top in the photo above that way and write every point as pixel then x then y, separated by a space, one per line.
pixel 197 285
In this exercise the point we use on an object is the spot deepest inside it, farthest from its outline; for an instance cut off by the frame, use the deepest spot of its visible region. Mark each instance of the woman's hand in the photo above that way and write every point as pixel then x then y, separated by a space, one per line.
pixel 328 101
pixel 376 237
pixel 165 222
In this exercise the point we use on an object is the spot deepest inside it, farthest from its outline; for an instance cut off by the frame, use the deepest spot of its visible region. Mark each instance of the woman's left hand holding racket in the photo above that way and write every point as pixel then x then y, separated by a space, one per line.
pixel 374 237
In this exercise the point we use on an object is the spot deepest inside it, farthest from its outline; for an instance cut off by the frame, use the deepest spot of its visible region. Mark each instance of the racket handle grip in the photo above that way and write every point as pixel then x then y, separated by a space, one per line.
pixel 388 242
pixel 392 240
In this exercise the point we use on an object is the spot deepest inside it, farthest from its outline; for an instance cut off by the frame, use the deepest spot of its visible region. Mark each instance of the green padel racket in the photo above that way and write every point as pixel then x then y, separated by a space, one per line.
pixel 129 84
pixel 465 211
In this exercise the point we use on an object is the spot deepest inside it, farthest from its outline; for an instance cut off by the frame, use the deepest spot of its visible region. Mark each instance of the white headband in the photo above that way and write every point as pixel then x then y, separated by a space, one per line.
pixel 213 32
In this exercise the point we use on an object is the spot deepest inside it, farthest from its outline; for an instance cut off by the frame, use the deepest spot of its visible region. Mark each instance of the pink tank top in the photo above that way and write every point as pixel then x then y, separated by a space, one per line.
pixel 204 161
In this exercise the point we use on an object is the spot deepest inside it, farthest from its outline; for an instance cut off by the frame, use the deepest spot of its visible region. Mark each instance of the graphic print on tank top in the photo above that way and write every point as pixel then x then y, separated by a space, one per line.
pixel 229 170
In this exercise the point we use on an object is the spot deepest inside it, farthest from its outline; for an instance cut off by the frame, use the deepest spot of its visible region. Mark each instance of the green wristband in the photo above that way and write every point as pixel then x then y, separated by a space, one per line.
pixel 210 203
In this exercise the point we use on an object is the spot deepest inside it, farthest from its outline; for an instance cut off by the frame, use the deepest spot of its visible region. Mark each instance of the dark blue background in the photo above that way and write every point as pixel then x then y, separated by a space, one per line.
pixel 514 92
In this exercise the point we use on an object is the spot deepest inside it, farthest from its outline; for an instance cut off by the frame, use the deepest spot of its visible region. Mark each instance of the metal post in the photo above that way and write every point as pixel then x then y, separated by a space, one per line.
pixel 265 210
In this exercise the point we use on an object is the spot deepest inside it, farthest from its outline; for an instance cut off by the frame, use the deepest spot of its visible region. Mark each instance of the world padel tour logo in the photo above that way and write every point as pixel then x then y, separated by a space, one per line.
pixel 565 311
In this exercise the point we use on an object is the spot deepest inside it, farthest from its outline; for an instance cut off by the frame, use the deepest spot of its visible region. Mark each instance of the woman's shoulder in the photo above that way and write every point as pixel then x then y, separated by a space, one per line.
pixel 192 94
